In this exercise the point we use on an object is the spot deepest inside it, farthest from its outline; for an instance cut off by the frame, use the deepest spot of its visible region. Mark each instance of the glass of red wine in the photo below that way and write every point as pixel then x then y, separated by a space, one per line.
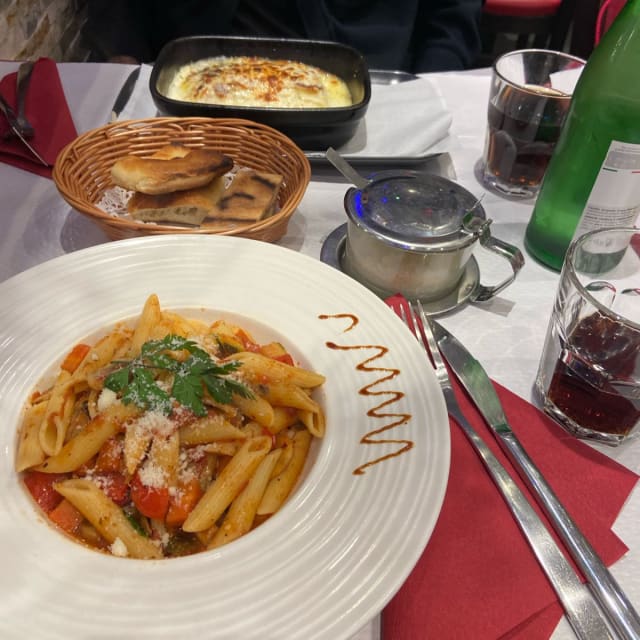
pixel 589 373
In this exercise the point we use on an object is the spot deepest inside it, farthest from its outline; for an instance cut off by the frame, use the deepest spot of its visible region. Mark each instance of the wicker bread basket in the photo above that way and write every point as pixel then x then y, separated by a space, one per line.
pixel 82 171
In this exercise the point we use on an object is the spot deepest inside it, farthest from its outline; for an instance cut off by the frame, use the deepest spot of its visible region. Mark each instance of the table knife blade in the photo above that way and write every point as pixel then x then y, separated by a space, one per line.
pixel 124 94
pixel 612 600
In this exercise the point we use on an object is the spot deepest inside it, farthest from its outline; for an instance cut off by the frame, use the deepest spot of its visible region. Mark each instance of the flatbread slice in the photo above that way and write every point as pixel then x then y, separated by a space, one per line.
pixel 171 168
pixel 252 196
pixel 189 207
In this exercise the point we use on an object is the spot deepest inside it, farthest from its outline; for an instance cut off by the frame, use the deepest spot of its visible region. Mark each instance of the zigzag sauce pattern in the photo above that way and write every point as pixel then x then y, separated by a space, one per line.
pixel 397 419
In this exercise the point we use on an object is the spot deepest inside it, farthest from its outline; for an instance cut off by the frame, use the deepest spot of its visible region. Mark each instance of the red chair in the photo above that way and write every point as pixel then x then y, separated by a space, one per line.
pixel 607 14
pixel 519 24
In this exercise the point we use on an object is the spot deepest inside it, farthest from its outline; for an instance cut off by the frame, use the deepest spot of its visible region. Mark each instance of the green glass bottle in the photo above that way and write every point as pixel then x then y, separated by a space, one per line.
pixel 593 179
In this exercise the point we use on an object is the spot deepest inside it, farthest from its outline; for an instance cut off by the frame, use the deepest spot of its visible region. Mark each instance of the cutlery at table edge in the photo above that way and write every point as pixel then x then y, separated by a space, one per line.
pixel 581 610
pixel 126 90
pixel 23 79
pixel 613 601
pixel 11 119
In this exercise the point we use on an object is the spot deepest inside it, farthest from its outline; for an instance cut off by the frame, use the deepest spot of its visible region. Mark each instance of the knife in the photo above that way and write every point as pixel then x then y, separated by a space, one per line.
pixel 613 601
pixel 124 94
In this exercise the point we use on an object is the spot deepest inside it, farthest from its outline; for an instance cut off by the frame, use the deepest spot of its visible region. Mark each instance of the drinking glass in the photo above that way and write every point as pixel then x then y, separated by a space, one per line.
pixel 589 373
pixel 529 99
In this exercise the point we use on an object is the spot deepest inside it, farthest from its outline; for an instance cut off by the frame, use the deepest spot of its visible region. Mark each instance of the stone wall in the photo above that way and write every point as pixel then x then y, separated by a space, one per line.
pixel 33 28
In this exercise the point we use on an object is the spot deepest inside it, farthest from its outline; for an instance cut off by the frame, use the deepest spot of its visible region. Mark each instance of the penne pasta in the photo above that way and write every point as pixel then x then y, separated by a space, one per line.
pixel 210 429
pixel 184 326
pixel 151 317
pixel 255 408
pixel 55 421
pixel 243 510
pixel 86 444
pixel 30 452
pixel 254 429
pixel 106 517
pixel 288 395
pixel 280 487
pixel 137 439
pixel 163 456
pixel 259 368
pixel 285 444
pixel 228 484
pixel 223 448
pixel 283 417
pixel 314 421
pixel 100 355
pixel 168 438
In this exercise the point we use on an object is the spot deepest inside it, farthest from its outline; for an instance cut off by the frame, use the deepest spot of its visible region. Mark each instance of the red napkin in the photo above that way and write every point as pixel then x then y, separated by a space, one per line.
pixel 635 242
pixel 477 577
pixel 47 110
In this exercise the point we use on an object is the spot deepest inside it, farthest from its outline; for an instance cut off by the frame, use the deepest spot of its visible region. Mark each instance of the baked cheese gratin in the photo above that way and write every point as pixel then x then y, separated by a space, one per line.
pixel 247 81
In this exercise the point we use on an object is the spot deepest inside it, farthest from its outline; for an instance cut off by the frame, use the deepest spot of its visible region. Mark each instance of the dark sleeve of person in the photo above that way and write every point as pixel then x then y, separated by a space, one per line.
pixel 140 28
pixel 112 29
pixel 446 35
pixel 380 29
pixel 413 35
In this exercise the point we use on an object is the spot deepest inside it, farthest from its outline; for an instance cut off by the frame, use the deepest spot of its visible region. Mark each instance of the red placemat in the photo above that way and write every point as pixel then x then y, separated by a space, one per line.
pixel 47 110
pixel 478 577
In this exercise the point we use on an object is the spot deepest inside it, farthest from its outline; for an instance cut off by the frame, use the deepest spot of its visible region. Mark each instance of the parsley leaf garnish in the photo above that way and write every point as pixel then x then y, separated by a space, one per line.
pixel 136 380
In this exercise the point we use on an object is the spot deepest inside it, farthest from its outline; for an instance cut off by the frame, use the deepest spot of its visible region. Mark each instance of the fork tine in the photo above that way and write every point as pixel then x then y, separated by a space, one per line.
pixel 419 324
pixel 426 333
pixel 406 315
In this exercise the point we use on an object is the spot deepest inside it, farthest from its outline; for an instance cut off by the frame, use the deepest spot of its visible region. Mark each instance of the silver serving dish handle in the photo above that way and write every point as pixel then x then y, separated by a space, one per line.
pixel 480 227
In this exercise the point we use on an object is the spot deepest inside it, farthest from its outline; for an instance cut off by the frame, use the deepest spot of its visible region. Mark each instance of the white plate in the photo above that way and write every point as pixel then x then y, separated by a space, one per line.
pixel 343 544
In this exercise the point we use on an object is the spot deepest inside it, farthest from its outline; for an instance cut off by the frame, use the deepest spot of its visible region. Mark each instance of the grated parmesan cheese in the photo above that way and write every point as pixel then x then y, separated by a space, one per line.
pixel 155 423
pixel 106 399
pixel 119 548
pixel 152 475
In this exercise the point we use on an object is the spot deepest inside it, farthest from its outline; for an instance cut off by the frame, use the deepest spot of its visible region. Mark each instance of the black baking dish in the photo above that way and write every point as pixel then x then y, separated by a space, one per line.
pixel 310 129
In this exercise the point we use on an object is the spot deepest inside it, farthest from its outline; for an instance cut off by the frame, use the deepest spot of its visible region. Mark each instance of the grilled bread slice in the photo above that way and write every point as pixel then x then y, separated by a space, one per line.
pixel 188 207
pixel 170 168
pixel 251 196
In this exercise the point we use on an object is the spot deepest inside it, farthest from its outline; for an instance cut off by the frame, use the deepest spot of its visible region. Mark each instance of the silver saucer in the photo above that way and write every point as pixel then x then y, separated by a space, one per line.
pixel 332 253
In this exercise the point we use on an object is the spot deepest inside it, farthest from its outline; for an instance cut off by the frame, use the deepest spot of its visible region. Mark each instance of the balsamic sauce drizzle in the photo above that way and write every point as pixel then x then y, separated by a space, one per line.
pixel 388 374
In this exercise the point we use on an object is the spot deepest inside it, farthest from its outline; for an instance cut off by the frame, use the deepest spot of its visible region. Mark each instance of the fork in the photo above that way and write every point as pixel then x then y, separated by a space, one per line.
pixel 22 84
pixel 581 610
pixel 6 109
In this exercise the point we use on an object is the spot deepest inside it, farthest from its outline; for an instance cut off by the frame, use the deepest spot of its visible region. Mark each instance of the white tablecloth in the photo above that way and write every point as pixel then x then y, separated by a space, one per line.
pixel 506 335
